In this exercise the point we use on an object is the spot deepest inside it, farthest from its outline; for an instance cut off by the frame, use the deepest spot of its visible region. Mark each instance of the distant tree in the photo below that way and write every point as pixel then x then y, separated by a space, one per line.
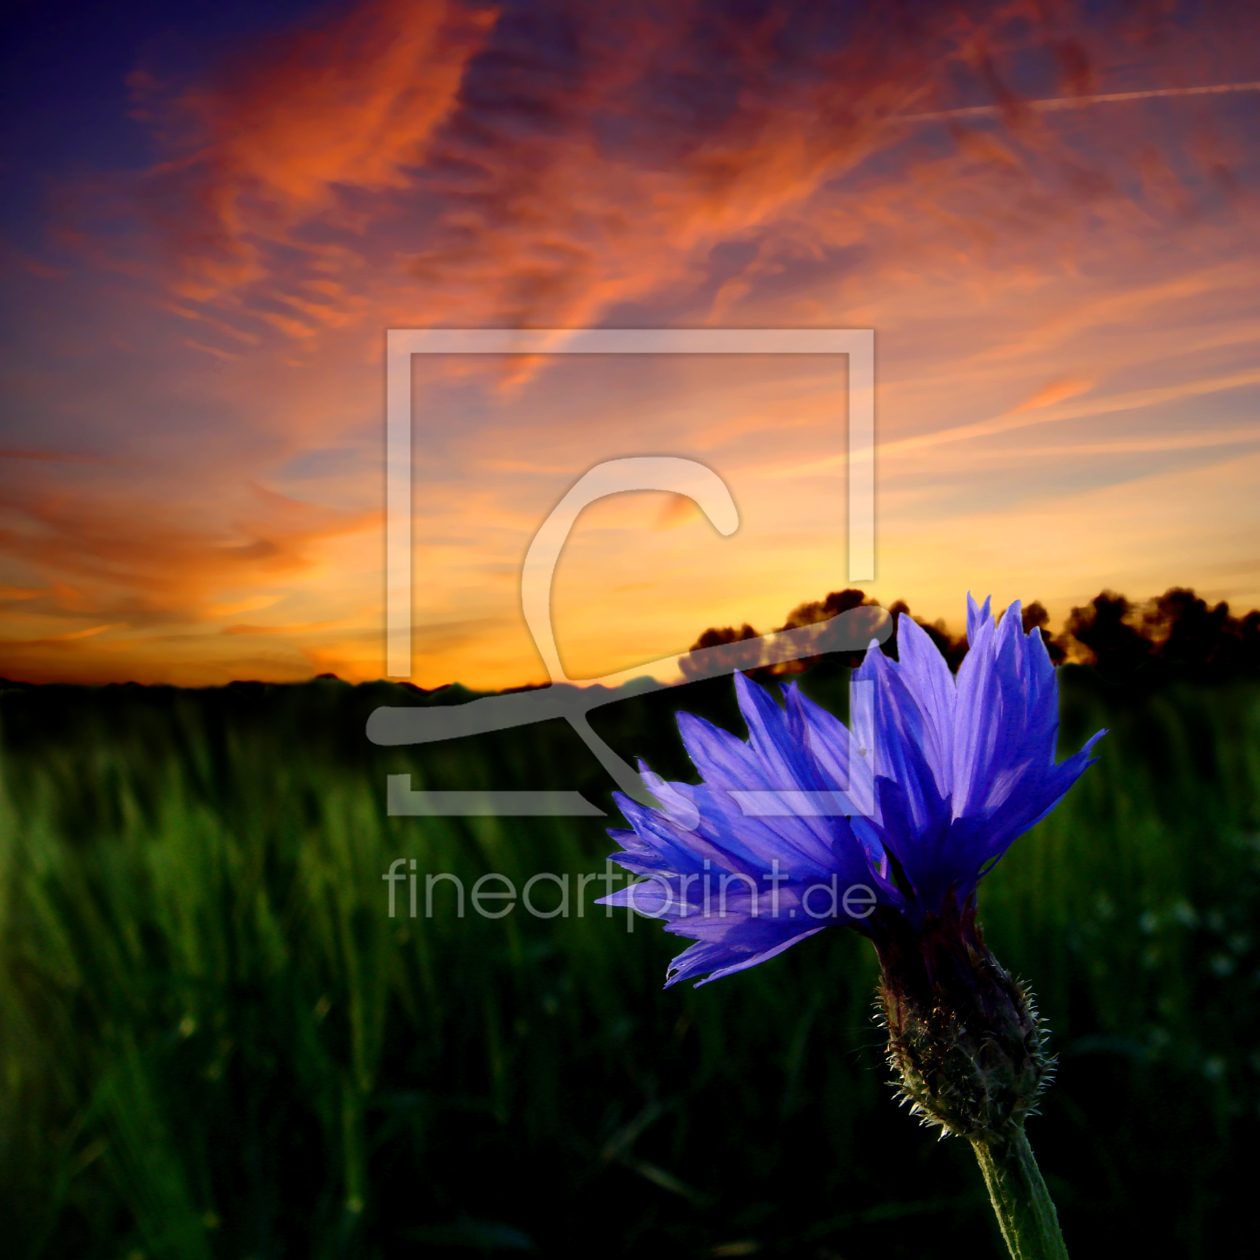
pixel 833 605
pixel 727 634
pixel 1175 630
pixel 1185 631
pixel 814 611
pixel 1035 615
pixel 806 614
pixel 716 637
pixel 1104 627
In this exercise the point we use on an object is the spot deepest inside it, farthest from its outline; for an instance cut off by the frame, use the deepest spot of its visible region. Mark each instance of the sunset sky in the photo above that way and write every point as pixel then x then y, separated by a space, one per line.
pixel 1049 214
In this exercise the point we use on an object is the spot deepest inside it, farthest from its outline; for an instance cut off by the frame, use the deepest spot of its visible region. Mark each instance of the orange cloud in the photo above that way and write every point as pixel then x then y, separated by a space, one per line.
pixel 1053 392
pixel 677 510
pixel 267 143
pixel 147 564
pixel 534 213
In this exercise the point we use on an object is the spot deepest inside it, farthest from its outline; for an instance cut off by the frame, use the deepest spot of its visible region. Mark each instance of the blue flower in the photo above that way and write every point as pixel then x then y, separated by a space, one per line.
pixel 811 824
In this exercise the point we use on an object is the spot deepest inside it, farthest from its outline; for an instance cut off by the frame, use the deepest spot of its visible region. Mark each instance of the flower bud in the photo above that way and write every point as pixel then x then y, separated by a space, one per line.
pixel 963 1036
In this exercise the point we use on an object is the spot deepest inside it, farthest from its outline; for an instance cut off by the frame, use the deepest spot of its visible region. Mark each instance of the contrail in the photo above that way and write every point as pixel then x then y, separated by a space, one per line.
pixel 1079 102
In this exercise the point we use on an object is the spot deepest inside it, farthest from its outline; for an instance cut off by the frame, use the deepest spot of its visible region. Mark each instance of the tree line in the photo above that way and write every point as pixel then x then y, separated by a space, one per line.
pixel 1176 632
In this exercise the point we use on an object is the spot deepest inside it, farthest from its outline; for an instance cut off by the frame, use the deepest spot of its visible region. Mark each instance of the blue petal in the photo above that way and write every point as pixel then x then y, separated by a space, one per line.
pixel 932 685
pixel 723 960
pixel 976 617
pixel 835 752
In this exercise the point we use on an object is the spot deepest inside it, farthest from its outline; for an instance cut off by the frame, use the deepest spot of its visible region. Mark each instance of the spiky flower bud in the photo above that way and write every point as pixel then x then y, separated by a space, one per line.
pixel 963 1035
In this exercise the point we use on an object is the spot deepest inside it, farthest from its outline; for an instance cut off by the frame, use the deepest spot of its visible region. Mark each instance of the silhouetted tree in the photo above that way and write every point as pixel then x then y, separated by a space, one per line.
pixel 832 605
pixel 1184 629
pixel 727 634
pixel 1173 631
pixel 1104 628
pixel 718 637
pixel 808 614
pixel 1035 615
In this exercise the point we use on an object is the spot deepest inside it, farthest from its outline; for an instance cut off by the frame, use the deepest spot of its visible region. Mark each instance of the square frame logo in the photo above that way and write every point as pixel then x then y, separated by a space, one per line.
pixel 851 630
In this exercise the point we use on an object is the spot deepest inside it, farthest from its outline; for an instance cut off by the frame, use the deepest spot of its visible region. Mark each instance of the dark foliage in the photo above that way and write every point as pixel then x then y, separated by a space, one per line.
pixel 216 1043
pixel 1175 634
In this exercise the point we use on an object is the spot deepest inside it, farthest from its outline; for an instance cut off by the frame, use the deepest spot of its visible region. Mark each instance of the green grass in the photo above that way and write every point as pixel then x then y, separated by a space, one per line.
pixel 215 1042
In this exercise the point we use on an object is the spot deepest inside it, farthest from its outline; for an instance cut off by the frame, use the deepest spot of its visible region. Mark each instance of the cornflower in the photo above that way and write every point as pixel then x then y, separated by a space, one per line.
pixel 885 826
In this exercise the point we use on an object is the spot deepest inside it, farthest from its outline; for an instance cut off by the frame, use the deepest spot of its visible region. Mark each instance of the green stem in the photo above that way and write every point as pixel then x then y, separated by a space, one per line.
pixel 1021 1202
